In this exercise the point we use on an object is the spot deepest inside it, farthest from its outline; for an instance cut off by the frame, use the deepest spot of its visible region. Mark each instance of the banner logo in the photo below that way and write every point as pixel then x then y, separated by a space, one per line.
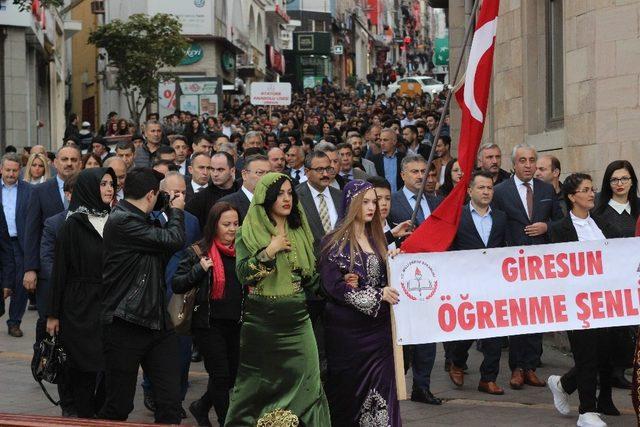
pixel 418 281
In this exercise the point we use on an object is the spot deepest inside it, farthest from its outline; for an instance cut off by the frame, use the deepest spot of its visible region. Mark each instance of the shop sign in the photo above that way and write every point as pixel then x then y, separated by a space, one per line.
pixel 194 54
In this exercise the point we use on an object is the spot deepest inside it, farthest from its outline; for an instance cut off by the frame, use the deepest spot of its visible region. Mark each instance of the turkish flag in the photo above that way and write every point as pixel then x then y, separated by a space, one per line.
pixel 437 232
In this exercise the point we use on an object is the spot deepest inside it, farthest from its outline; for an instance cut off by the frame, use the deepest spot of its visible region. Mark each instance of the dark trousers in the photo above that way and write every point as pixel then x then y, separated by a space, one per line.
pixel 185 343
pixel 126 348
pixel 491 350
pixel 87 389
pixel 525 351
pixel 422 356
pixel 316 311
pixel 220 348
pixel 590 348
pixel 19 296
pixel 623 346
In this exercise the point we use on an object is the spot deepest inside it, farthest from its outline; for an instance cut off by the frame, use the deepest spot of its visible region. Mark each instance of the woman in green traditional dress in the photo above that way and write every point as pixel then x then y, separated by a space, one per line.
pixel 279 375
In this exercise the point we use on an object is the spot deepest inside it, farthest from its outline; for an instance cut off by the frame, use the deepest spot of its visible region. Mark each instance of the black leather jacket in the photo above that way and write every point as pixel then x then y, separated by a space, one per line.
pixel 135 256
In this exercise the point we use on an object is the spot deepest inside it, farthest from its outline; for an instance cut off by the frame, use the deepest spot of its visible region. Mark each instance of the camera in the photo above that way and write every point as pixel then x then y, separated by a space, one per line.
pixel 162 204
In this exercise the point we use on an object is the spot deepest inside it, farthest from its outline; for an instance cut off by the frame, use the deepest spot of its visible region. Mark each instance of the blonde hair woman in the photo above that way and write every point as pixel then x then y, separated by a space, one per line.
pixel 37 169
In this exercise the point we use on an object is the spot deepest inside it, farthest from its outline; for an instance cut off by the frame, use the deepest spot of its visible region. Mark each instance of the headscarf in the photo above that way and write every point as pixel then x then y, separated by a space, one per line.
pixel 257 230
pixel 351 190
pixel 86 193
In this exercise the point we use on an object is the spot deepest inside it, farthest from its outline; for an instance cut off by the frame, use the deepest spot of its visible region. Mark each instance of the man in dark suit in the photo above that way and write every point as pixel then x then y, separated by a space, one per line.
pixel 179 144
pixel 15 198
pixel 47 199
pixel 388 161
pixel 7 267
pixel 198 179
pixel 490 160
pixel 530 205
pixel 221 183
pixel 322 205
pixel 480 227
pixel 254 167
pixel 423 356
pixel 295 162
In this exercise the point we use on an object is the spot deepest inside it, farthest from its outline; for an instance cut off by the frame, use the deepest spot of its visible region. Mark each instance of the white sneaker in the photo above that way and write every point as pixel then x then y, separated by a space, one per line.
pixel 560 397
pixel 590 419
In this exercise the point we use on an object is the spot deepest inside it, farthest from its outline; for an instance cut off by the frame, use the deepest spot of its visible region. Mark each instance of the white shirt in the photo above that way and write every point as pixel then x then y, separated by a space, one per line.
pixel 303 176
pixel 247 193
pixel 522 191
pixel 183 168
pixel 391 246
pixel 406 122
pixel 196 187
pixel 586 228
pixel 412 202
pixel 619 207
pixel 333 213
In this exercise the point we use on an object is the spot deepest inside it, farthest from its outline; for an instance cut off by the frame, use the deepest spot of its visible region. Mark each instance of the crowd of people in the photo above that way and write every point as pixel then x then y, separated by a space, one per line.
pixel 281 221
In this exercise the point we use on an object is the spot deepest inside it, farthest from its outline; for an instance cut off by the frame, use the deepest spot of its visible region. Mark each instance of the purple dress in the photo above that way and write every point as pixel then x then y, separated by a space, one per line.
pixel 360 384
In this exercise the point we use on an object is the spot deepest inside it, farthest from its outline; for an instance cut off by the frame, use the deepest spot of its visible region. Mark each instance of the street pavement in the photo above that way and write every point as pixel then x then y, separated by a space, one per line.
pixel 20 394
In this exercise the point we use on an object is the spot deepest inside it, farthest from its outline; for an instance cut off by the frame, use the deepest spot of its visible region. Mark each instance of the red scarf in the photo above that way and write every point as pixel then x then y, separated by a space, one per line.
pixel 217 290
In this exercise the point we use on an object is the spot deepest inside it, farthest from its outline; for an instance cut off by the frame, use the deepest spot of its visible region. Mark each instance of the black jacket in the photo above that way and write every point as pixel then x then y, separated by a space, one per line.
pixel 135 255
pixel 190 274
pixel 467 236
pixel 201 203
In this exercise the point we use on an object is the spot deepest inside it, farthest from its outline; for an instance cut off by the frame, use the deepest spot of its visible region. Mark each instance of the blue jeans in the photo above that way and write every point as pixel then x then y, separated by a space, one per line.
pixel 19 296
pixel 423 358
pixel 185 363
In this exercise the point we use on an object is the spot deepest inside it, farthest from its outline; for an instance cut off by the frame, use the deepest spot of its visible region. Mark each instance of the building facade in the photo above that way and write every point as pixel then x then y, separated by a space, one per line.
pixel 566 80
pixel 32 76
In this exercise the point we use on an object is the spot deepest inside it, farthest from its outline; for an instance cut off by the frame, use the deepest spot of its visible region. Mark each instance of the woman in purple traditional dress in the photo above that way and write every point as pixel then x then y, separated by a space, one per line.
pixel 360 382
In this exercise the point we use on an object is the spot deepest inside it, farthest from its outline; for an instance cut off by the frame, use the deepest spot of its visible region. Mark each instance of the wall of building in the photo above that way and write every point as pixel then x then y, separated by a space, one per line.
pixel 600 82
pixel 16 88
pixel 84 82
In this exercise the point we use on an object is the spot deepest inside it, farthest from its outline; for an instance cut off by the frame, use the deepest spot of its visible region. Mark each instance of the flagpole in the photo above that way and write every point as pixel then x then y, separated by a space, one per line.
pixel 467 36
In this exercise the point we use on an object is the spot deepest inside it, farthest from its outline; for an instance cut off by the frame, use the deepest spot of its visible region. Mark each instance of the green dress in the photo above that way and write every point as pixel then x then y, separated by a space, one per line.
pixel 279 375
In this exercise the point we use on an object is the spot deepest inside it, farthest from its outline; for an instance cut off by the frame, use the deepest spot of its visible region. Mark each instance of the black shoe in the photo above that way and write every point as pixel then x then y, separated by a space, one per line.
pixel 149 401
pixel 608 409
pixel 183 413
pixel 32 307
pixel 200 413
pixel 447 365
pixel 618 380
pixel 424 396
pixel 196 356
pixel 69 413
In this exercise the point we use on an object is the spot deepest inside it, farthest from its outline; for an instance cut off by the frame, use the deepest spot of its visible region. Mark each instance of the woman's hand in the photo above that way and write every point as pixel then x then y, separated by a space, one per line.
pixel 206 263
pixel 278 244
pixel 351 279
pixel 392 253
pixel 403 229
pixel 53 326
pixel 390 295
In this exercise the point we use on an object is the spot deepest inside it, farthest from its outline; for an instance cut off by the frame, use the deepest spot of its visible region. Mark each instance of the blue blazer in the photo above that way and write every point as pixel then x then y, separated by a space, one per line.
pixel 401 210
pixel 24 193
pixel 7 264
pixel 192 235
pixel 467 236
pixel 44 202
pixel 545 209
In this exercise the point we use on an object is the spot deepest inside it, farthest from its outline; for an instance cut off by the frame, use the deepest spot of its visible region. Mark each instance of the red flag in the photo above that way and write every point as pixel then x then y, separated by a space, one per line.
pixel 438 231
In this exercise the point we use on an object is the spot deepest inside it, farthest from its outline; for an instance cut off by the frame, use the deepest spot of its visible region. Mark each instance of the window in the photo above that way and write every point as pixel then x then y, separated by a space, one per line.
pixel 555 56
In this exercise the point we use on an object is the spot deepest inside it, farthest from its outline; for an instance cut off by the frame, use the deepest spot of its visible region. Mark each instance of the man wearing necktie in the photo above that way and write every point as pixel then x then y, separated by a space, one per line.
pixel 347 170
pixel 530 204
pixel 413 173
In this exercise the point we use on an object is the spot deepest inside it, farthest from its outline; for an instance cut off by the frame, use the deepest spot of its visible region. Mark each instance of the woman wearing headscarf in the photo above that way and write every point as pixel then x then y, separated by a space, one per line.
pixel 360 371
pixel 278 379
pixel 74 309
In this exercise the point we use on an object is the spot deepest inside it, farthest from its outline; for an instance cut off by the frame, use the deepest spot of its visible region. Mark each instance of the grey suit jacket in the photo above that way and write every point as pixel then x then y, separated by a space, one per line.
pixel 313 216
pixel 369 167
pixel 401 210
pixel 359 174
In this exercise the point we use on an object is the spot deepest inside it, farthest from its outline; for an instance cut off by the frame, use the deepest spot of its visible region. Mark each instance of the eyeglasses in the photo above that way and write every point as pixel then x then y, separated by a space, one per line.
pixel 586 190
pixel 323 170
pixel 616 181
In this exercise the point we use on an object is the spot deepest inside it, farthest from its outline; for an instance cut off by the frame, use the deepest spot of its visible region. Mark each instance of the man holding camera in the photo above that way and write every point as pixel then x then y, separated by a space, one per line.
pixel 137 327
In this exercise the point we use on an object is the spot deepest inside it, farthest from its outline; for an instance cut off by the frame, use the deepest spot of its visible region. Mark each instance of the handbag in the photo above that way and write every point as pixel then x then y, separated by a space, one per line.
pixel 49 364
pixel 181 305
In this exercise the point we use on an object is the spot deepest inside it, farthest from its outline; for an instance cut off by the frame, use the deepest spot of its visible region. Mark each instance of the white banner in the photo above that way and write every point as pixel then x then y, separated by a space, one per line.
pixel 462 295
pixel 265 93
